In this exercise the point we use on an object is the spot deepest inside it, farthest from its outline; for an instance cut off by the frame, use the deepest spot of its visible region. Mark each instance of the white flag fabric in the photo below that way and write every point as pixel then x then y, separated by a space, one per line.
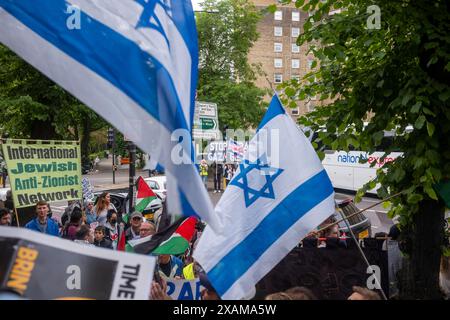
pixel 134 62
pixel 279 194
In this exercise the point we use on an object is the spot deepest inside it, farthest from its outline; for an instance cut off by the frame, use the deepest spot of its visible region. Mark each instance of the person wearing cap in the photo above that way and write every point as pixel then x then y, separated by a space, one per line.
pixel 208 292
pixel 132 233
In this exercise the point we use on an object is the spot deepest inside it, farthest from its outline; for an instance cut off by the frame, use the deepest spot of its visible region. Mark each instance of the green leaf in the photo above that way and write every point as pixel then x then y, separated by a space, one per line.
pixel 414 198
pixel 387 204
pixel 299 3
pixel 290 92
pixel 433 60
pixel 430 192
pixel 420 122
pixel 406 98
pixel 430 128
pixel 272 8
pixel 377 137
pixel 321 155
pixel 368 42
pixel 444 95
pixel 416 107
pixel 313 64
pixel 429 112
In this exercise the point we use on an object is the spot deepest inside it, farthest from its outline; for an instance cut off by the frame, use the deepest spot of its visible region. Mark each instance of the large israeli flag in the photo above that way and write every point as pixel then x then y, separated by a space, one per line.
pixel 134 62
pixel 279 194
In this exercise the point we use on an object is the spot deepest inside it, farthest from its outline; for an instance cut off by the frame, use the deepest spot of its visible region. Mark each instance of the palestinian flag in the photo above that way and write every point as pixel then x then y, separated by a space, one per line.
pixel 173 239
pixel 144 195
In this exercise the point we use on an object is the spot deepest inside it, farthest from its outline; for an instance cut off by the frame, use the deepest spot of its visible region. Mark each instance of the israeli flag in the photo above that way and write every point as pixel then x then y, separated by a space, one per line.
pixel 279 194
pixel 134 62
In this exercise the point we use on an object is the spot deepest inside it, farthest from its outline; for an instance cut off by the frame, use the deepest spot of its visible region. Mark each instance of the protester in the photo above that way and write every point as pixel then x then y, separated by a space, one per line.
pixel 444 276
pixel 360 293
pixel 301 293
pixel 112 227
pixel 218 176
pixel 71 205
pixel 278 296
pixel 191 271
pixel 9 203
pixel 5 217
pixel 71 228
pixel 295 293
pixel 84 235
pixel 204 172
pixel 158 290
pixel 100 240
pixel 170 266
pixel 229 173
pixel 96 162
pixel 208 292
pixel 89 211
pixel 101 208
pixel 147 229
pixel 132 233
pixel 42 223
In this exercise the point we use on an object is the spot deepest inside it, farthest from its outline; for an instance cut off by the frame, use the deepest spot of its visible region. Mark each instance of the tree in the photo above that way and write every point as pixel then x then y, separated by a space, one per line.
pixel 392 76
pixel 226 32
pixel 34 107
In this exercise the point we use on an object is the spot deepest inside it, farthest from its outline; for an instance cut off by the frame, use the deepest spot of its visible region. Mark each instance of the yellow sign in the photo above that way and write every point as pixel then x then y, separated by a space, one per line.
pixel 364 234
pixel 48 171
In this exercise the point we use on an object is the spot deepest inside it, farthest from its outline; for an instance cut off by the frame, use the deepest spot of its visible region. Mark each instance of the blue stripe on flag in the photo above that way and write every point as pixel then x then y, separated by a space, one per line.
pixel 115 58
pixel 188 30
pixel 275 109
pixel 232 266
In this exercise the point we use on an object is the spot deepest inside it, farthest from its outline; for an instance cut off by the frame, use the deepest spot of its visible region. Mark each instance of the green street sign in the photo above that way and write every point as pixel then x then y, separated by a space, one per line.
pixel 208 124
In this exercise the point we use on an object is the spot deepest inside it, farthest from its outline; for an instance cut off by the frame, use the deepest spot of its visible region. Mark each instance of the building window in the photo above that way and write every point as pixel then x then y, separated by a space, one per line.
pixel 310 106
pixel 295 16
pixel 278 78
pixel 295 48
pixel 310 62
pixel 295 111
pixel 278 63
pixel 278 31
pixel 278 15
pixel 295 32
pixel 295 63
pixel 278 47
pixel 295 77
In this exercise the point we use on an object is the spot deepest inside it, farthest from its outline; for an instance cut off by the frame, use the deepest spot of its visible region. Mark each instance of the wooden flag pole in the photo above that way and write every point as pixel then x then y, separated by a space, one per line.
pixel 17 217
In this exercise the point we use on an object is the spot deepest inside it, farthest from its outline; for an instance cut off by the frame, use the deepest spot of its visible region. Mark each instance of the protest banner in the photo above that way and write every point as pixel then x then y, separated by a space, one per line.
pixel 216 151
pixel 182 289
pixel 43 170
pixel 39 266
pixel 235 150
pixel 87 189
pixel 330 273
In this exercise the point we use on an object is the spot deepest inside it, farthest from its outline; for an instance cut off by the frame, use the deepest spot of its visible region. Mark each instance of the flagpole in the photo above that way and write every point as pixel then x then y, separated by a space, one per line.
pixel 360 211
pixel 362 253
pixel 17 217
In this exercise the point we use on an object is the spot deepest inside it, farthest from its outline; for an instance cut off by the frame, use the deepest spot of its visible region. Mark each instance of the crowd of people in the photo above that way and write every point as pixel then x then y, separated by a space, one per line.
pixel 100 224
pixel 222 174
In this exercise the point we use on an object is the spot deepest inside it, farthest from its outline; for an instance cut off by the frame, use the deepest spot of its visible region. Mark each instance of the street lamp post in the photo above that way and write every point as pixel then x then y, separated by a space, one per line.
pixel 132 151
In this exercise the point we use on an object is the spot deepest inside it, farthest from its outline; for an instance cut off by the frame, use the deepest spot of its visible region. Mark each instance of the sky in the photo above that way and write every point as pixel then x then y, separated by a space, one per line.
pixel 195 4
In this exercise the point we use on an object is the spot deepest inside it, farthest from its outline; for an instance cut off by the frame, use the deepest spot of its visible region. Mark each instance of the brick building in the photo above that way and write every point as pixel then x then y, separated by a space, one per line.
pixel 277 52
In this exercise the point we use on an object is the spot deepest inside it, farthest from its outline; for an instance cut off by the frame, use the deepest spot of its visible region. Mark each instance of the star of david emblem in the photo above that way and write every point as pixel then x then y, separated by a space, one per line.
pixel 268 173
pixel 149 19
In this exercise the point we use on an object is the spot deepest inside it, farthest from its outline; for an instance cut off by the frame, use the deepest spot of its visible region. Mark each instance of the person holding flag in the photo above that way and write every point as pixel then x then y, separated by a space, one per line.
pixel 276 197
